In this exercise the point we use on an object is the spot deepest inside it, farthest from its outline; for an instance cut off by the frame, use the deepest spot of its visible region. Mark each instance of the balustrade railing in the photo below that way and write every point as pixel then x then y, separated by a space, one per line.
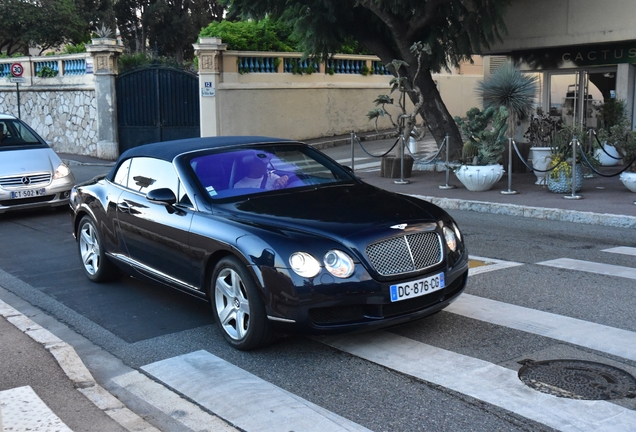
pixel 5 70
pixel 71 65
pixel 294 63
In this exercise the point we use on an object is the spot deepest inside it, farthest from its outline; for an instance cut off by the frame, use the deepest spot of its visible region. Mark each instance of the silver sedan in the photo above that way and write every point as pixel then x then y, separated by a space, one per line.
pixel 31 173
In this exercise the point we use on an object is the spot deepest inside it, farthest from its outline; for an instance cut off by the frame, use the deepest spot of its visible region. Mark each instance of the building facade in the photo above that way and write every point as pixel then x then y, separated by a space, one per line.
pixel 583 51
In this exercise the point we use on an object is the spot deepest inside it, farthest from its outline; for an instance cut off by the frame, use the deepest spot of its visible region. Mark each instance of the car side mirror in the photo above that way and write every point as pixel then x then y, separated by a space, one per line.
pixel 162 195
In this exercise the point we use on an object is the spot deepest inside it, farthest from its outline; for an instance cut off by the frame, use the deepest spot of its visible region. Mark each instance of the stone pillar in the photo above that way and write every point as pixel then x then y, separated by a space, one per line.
pixel 105 53
pixel 209 51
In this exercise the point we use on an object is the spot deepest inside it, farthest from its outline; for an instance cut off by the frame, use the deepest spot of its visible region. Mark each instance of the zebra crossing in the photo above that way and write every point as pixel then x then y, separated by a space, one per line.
pixel 216 386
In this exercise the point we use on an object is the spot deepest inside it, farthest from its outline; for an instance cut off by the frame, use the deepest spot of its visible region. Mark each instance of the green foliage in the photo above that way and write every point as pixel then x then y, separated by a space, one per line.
pixel 299 67
pixel 46 23
pixel 263 35
pixel 365 70
pixel 510 88
pixel 46 72
pixel 541 130
pixel 128 62
pixel 486 134
pixel 627 148
pixel 455 30
pixel 613 112
pixel 167 28
pixel 74 48
pixel 623 138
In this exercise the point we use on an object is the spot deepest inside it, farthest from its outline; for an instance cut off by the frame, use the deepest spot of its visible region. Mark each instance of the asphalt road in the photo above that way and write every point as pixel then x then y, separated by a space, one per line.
pixel 122 327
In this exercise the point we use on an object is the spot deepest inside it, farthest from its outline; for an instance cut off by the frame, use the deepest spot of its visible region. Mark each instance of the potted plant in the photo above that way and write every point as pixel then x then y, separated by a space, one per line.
pixel 510 88
pixel 625 142
pixel 612 113
pixel 406 124
pixel 485 131
pixel 104 36
pixel 559 179
pixel 540 134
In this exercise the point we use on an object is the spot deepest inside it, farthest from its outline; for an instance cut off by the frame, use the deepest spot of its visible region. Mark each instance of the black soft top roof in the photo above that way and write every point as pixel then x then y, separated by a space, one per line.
pixel 168 150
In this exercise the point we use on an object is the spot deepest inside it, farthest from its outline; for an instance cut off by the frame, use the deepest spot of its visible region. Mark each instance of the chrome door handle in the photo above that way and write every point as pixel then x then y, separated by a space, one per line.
pixel 123 207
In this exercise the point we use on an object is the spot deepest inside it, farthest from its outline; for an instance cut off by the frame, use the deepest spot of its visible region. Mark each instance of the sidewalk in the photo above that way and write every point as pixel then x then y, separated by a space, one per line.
pixel 44 386
pixel 605 200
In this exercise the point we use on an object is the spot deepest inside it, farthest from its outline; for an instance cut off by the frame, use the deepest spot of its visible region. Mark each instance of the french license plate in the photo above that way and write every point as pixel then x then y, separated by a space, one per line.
pixel 417 288
pixel 27 193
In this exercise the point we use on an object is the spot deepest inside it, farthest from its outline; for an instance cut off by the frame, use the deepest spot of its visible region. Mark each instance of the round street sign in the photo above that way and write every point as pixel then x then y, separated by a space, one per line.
pixel 17 70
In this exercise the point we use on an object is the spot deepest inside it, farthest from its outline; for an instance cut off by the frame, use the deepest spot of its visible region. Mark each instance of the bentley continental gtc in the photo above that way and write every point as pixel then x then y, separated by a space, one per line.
pixel 278 237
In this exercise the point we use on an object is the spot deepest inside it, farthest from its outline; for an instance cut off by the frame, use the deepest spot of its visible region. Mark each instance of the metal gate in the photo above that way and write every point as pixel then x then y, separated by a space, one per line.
pixel 156 104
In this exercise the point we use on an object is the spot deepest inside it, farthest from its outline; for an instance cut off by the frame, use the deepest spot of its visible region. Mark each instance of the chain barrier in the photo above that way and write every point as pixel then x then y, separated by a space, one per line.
pixel 595 171
pixel 372 155
pixel 356 138
pixel 406 146
pixel 603 147
pixel 531 168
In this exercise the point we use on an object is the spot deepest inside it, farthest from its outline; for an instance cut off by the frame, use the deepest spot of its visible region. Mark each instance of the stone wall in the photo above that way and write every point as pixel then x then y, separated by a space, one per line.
pixel 65 118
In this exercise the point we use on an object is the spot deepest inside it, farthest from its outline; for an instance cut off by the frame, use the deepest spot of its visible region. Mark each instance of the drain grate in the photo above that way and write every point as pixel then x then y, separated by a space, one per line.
pixel 578 379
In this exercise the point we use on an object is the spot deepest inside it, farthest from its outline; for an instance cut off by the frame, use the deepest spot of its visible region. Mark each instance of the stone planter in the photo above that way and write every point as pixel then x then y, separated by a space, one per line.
pixel 563 182
pixel 609 157
pixel 479 178
pixel 391 166
pixel 629 180
pixel 541 159
pixel 104 41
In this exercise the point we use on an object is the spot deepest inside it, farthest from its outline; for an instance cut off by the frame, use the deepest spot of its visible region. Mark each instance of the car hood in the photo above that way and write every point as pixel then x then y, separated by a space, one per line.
pixel 339 211
pixel 25 161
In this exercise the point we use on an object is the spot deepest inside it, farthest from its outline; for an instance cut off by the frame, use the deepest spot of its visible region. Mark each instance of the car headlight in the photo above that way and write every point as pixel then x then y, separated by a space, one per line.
pixel 458 233
pixel 451 239
pixel 304 264
pixel 339 264
pixel 61 171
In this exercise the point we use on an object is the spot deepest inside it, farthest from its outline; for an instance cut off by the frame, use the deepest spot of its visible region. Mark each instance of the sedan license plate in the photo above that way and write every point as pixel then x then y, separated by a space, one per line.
pixel 417 288
pixel 27 193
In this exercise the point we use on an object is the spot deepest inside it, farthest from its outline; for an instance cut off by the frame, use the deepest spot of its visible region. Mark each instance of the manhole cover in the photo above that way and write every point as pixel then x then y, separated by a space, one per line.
pixel 578 379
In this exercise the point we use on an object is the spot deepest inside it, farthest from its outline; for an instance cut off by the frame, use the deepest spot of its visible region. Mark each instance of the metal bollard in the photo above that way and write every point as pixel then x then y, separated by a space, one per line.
pixel 509 191
pixel 353 137
pixel 574 195
pixel 447 186
pixel 401 181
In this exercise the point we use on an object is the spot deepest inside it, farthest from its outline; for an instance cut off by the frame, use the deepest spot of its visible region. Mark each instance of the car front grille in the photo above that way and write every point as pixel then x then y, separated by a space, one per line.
pixel 405 254
pixel 40 179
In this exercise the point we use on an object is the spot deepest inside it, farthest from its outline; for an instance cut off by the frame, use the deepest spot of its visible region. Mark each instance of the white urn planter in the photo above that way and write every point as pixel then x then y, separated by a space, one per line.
pixel 478 177
pixel 629 180
pixel 541 160
pixel 609 157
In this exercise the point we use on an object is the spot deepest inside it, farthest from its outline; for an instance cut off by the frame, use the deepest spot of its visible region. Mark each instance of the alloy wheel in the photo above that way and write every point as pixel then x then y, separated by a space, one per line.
pixel 232 304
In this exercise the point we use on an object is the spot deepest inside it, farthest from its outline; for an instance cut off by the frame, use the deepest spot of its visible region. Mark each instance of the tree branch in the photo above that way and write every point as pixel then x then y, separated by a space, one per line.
pixel 426 19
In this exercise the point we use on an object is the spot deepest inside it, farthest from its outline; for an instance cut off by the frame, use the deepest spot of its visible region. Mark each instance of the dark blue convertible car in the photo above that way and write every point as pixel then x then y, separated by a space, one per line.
pixel 276 235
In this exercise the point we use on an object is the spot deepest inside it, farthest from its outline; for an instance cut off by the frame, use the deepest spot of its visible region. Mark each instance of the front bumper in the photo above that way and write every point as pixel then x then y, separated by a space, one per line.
pixel 55 195
pixel 367 307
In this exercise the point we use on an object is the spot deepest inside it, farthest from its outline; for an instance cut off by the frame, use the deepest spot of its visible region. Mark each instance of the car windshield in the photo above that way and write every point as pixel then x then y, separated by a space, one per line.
pixel 13 133
pixel 265 168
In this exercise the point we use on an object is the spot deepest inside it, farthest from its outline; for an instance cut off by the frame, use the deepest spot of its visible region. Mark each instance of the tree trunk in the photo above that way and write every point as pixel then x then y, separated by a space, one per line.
pixel 439 120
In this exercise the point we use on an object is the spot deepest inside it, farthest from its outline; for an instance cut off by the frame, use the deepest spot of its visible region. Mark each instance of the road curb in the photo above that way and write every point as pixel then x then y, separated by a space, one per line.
pixel 590 218
pixel 77 372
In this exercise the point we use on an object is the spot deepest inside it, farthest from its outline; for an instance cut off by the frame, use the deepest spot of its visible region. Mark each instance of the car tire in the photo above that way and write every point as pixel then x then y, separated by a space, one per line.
pixel 96 265
pixel 238 307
